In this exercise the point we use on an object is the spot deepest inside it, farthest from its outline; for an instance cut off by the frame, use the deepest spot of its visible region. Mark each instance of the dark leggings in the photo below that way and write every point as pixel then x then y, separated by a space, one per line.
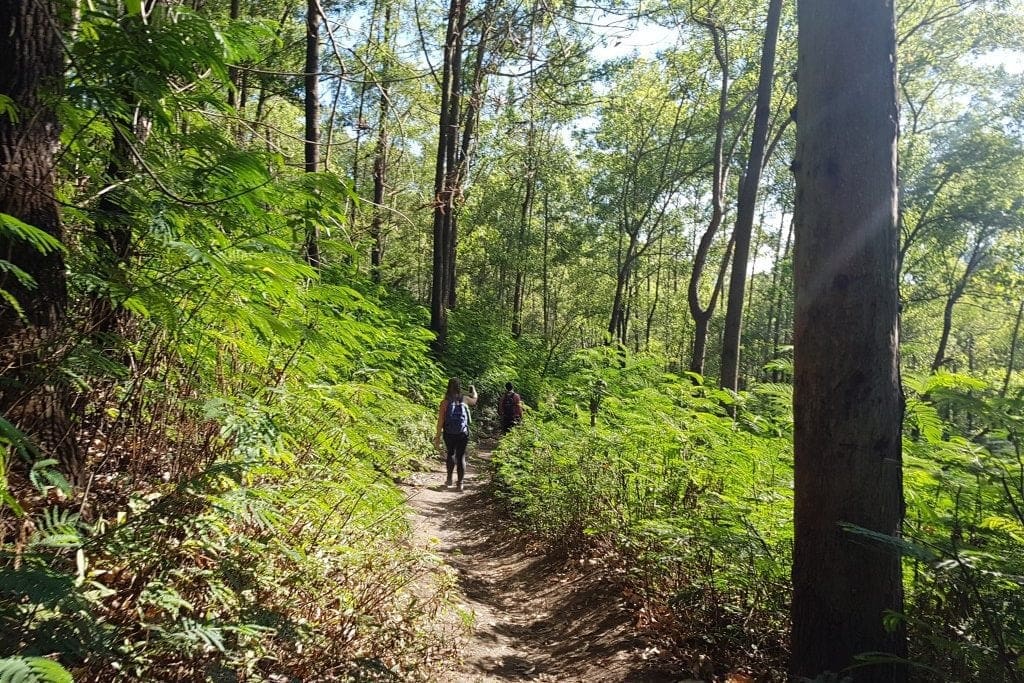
pixel 455 444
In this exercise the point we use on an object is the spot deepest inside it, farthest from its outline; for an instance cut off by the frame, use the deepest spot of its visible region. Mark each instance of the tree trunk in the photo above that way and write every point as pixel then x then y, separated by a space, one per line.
pixel 442 276
pixel 1013 352
pixel 312 143
pixel 730 371
pixel 525 218
pixel 30 75
pixel 545 301
pixel 623 276
pixel 464 152
pixel 113 222
pixel 233 75
pixel 380 161
pixel 947 327
pixel 973 263
pixel 848 404
pixel 654 301
pixel 702 315
pixel 779 297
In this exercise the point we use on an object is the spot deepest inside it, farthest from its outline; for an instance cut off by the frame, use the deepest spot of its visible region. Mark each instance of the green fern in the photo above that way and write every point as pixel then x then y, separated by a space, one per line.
pixel 41 240
pixel 57 528
pixel 32 670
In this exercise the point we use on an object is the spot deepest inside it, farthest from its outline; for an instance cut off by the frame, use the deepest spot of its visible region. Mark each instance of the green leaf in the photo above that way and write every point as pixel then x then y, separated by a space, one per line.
pixel 8 108
pixel 32 670
pixel 43 241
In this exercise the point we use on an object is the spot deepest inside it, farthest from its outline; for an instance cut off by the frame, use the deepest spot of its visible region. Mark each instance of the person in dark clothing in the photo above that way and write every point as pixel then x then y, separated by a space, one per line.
pixel 453 420
pixel 510 408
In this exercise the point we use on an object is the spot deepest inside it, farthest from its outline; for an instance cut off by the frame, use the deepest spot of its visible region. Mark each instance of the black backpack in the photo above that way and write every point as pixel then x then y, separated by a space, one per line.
pixel 456 417
pixel 510 408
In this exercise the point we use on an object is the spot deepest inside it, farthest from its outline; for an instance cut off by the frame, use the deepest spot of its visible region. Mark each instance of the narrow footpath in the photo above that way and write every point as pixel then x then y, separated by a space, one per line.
pixel 535 618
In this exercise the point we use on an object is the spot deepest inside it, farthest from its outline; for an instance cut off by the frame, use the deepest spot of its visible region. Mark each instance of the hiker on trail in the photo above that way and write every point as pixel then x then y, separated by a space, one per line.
pixel 453 422
pixel 510 408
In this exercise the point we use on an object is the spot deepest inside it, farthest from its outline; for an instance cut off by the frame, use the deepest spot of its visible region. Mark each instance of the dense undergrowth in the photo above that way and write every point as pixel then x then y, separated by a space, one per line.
pixel 243 415
pixel 245 420
pixel 236 525
pixel 242 525
pixel 691 508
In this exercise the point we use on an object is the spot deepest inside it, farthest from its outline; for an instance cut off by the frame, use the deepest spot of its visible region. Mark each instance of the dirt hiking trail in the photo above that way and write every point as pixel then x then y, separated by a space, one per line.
pixel 537 618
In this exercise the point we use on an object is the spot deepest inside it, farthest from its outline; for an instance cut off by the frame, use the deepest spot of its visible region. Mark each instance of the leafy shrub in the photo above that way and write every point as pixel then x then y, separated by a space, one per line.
pixel 246 418
pixel 693 504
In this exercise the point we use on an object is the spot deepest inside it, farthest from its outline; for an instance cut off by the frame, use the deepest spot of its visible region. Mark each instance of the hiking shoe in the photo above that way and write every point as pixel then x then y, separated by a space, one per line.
pixel 459 486
pixel 448 482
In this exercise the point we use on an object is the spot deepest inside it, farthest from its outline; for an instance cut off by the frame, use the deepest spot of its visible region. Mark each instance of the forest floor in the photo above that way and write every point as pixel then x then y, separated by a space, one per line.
pixel 536 617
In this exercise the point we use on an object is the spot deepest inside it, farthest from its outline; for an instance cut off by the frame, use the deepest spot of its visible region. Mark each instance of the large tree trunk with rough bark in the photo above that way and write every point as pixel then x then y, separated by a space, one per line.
pixel 30 75
pixel 848 404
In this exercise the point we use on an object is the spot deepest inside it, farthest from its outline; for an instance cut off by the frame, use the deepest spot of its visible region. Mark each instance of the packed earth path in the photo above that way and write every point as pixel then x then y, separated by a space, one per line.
pixel 536 617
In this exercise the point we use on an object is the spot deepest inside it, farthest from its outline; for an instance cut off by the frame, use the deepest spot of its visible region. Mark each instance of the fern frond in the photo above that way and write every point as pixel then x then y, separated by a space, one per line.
pixel 32 670
pixel 41 240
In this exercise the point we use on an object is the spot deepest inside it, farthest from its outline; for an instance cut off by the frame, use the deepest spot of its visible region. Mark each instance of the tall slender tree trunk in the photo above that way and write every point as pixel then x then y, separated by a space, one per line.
pixel 234 12
pixel 464 152
pixel 730 370
pixel 444 174
pixel 755 248
pixel 622 279
pixel 654 301
pixel 947 327
pixel 1013 352
pixel 31 76
pixel 525 218
pixel 973 263
pixel 380 159
pixel 720 169
pixel 848 403
pixel 113 225
pixel 702 316
pixel 545 300
pixel 779 296
pixel 312 143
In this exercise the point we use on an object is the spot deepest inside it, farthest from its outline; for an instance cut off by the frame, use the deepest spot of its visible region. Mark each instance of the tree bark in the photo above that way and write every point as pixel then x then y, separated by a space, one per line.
pixel 525 219
pixel 730 370
pixel 380 160
pixel 1013 352
pixel 312 142
pixel 453 158
pixel 545 300
pixel 444 174
pixel 779 291
pixel 30 75
pixel 234 13
pixel 464 153
pixel 702 315
pixel 848 403
pixel 623 276
pixel 654 301
pixel 973 263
